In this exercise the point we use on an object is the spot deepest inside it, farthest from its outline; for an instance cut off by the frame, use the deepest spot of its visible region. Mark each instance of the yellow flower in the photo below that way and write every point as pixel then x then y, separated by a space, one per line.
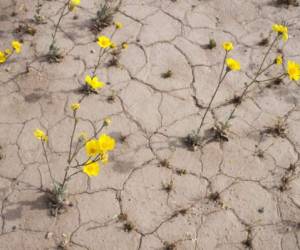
pixel 124 45
pixel 104 41
pixel 118 25
pixel 94 83
pixel 281 31
pixel 75 106
pixel 278 60
pixel 39 134
pixel 107 121
pixel 8 52
pixel 92 148
pixel 232 64
pixel 113 45
pixel 73 4
pixel 83 136
pixel 91 168
pixel 106 143
pixel 227 46
pixel 104 157
pixel 293 70
pixel 17 46
pixel 2 57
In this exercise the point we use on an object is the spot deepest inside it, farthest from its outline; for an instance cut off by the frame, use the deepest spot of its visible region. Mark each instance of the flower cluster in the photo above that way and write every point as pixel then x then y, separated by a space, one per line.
pixel 281 30
pixel 292 68
pixel 106 45
pixel 97 148
pixel 231 63
pixel 16 47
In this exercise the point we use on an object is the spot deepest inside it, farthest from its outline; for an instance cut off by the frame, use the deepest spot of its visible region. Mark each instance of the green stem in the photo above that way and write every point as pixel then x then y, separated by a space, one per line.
pixel 274 78
pixel 79 148
pixel 58 22
pixel 214 94
pixel 72 136
pixel 48 164
pixel 259 72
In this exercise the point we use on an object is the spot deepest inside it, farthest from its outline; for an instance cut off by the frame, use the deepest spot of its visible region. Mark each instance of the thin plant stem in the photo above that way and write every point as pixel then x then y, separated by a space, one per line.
pixel 58 22
pixel 102 52
pixel 268 52
pixel 274 78
pixel 48 164
pixel 100 129
pixel 75 151
pixel 72 136
pixel 97 158
pixel 79 148
pixel 214 94
pixel 65 177
pixel 254 80
pixel 75 173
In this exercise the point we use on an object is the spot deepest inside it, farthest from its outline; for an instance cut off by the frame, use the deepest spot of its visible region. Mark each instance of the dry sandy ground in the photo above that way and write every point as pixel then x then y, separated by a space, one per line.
pixel 244 193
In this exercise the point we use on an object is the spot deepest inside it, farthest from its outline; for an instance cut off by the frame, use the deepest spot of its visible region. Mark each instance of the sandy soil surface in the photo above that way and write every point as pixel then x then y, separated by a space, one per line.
pixel 155 193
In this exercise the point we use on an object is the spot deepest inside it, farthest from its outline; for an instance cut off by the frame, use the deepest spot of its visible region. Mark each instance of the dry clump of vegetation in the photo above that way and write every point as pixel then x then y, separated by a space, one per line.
pixel 25 28
pixel 278 130
pixel 167 74
pixel 169 246
pixel 248 242
pixel 294 3
pixel 287 177
pixel 168 187
pixel 103 19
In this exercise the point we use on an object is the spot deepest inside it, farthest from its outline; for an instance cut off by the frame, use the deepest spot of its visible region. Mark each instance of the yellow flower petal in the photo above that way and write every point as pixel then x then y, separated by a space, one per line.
pixel 106 143
pixel 118 25
pixel 17 46
pixel 293 70
pixel 92 148
pixel 233 64
pixel 281 31
pixel 104 41
pixel 88 79
pixel 8 52
pixel 73 4
pixel 94 83
pixel 227 46
pixel 91 168
pixel 107 121
pixel 2 57
pixel 39 134
pixel 104 158
pixel 279 60
pixel 75 106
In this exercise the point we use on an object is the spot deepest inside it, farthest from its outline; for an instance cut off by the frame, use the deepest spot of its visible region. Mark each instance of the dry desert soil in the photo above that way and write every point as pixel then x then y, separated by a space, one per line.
pixel 239 190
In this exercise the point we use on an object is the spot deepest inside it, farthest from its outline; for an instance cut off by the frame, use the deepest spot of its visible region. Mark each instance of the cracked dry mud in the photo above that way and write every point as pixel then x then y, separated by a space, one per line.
pixel 155 193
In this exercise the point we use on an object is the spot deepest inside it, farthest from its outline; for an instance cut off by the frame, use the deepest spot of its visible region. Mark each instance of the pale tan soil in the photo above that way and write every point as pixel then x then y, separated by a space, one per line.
pixel 154 114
